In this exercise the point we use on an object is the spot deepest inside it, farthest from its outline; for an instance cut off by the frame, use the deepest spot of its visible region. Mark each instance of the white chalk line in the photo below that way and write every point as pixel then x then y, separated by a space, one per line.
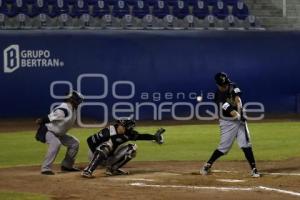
pixel 193 187
pixel 264 173
pixel 219 188
pixel 279 190
pixel 231 180
pixel 282 174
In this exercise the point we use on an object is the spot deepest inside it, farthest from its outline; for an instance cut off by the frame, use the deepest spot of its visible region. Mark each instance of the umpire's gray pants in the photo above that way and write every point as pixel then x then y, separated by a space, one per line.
pixel 54 143
pixel 230 130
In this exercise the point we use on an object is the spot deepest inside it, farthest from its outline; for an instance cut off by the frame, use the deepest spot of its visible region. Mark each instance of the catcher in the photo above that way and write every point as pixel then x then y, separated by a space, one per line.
pixel 110 149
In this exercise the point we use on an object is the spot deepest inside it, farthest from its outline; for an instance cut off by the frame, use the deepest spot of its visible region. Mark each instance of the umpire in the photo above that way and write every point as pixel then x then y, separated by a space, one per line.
pixel 233 125
pixel 53 131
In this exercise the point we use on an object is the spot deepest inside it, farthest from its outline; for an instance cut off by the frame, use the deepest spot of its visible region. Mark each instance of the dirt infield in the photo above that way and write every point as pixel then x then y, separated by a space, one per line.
pixel 162 180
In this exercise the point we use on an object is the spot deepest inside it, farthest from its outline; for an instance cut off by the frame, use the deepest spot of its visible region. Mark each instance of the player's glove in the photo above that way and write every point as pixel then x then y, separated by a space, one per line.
pixel 158 136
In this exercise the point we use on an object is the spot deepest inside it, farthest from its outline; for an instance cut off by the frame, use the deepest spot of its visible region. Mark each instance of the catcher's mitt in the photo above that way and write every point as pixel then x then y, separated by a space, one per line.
pixel 158 136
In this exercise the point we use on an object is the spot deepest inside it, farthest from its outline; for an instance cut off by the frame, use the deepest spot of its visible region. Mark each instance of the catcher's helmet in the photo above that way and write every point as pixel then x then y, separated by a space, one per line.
pixel 222 79
pixel 126 122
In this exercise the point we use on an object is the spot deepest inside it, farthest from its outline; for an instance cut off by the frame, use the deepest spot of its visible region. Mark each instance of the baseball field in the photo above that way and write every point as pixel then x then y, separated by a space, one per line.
pixel 168 171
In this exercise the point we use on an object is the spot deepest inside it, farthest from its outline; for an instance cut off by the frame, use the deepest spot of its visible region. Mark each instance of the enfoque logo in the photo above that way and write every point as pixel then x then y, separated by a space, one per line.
pixel 130 102
pixel 14 58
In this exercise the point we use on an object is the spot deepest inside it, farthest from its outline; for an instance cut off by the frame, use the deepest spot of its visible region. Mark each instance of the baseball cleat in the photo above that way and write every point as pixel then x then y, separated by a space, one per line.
pixel 87 174
pixel 205 170
pixel 48 172
pixel 116 172
pixel 255 173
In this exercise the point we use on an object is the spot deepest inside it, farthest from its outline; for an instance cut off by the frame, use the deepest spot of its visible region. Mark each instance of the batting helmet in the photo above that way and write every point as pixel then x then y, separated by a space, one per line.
pixel 222 79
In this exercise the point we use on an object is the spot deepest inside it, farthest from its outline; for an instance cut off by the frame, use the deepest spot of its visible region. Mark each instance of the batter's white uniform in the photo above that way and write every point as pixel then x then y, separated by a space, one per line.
pixel 62 118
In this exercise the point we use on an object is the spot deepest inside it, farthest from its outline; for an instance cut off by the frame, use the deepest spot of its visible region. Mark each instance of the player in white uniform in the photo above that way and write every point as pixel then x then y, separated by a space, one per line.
pixel 53 131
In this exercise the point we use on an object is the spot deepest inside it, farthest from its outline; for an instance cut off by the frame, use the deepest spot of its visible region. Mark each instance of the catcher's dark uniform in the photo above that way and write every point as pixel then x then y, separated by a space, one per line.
pixel 111 150
pixel 109 133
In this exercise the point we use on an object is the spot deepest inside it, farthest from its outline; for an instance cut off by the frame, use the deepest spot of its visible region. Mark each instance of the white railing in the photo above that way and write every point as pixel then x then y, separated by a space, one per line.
pixel 284 8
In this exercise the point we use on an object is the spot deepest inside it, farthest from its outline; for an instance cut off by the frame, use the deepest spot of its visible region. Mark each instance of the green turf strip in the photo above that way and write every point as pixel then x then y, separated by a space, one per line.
pixel 271 141
pixel 4 195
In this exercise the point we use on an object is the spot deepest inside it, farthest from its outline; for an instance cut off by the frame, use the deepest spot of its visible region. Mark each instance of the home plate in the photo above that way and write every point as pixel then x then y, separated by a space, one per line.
pixel 131 179
pixel 231 180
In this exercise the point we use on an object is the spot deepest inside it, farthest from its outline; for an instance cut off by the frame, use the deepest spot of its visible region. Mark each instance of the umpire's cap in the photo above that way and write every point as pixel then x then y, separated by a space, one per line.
pixel 222 79
pixel 126 122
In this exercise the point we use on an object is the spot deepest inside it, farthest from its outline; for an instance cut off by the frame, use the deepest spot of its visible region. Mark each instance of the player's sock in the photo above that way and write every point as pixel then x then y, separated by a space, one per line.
pixel 217 154
pixel 249 156
pixel 94 162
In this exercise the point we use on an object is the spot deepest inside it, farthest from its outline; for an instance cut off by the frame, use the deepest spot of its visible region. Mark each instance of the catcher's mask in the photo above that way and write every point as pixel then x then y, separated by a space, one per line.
pixel 127 123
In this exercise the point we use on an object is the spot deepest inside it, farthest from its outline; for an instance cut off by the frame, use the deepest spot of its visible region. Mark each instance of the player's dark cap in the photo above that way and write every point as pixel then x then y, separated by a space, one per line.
pixel 222 79
pixel 126 122
pixel 76 96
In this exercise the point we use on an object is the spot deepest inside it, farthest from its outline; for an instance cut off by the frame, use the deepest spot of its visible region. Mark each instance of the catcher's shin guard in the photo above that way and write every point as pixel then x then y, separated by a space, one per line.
pixel 100 154
pixel 122 156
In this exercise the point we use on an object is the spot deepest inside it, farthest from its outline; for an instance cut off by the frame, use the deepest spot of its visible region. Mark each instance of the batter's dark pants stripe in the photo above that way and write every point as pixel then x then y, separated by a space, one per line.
pixel 246 133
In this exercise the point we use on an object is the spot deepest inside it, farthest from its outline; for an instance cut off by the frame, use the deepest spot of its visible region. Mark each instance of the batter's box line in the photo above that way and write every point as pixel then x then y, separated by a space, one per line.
pixel 224 189
pixel 264 173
